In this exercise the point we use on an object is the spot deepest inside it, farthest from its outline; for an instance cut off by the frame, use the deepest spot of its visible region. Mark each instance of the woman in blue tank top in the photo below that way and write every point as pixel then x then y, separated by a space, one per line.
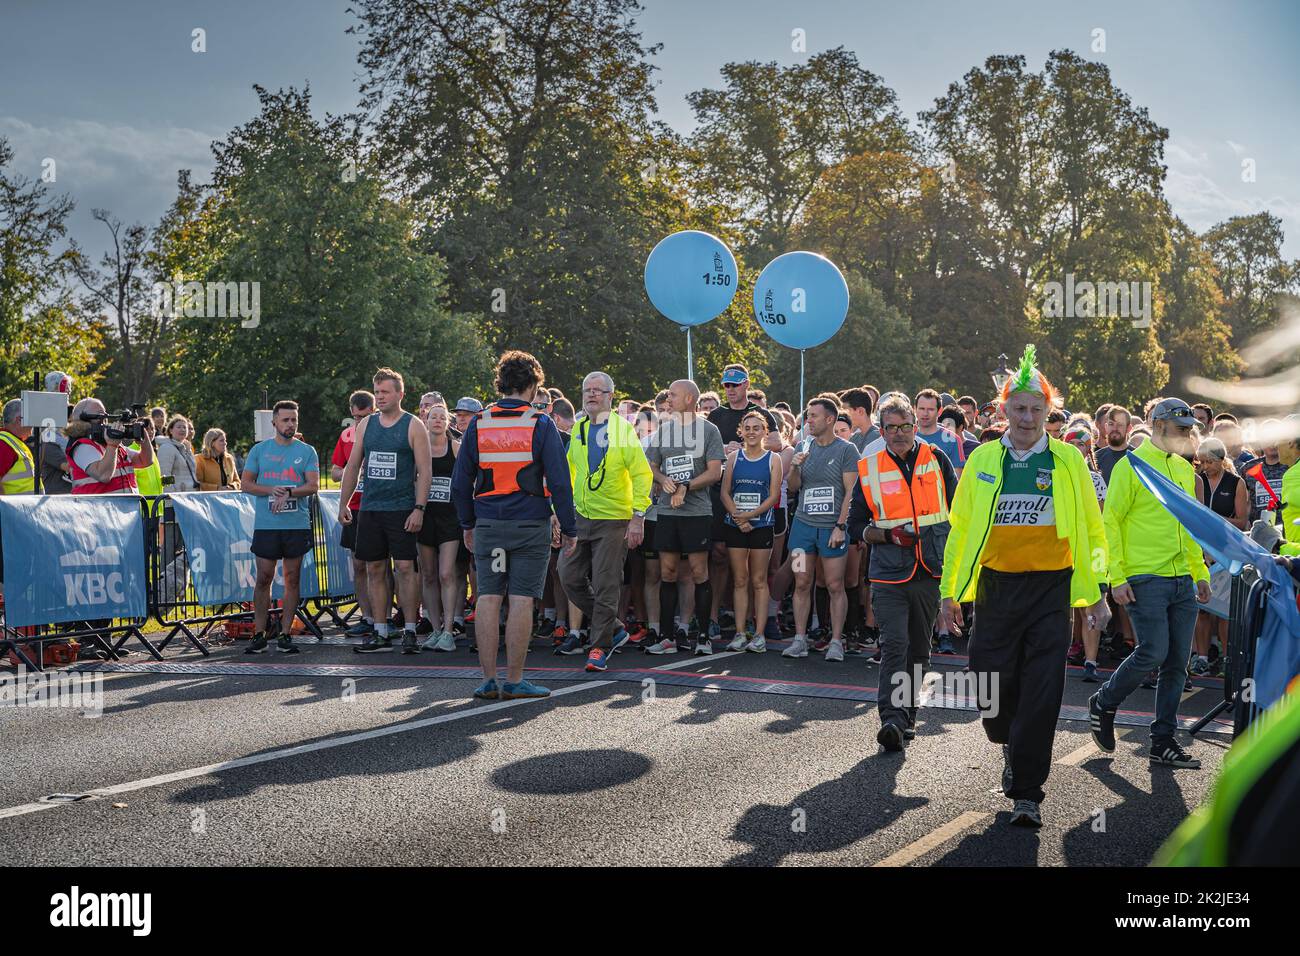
pixel 751 489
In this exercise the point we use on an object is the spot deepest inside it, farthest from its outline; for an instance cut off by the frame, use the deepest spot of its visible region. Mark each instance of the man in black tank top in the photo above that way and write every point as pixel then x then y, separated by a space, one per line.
pixel 393 447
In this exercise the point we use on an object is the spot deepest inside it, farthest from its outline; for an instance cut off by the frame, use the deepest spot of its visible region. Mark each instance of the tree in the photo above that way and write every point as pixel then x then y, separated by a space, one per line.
pixel 765 139
pixel 40 328
pixel 1197 340
pixel 1247 251
pixel 343 289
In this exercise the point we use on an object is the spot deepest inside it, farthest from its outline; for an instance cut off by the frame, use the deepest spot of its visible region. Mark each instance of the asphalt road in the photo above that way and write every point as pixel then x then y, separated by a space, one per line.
pixel 203 769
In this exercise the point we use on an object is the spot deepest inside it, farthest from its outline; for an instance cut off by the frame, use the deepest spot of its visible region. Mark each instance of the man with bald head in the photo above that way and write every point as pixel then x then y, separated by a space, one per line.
pixel 685 456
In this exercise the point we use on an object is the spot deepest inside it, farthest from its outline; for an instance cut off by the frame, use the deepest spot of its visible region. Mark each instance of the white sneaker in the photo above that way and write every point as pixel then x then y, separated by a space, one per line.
pixel 666 646
pixel 430 643
pixel 703 646
pixel 835 651
pixel 758 645
pixel 738 642
pixel 446 642
pixel 798 647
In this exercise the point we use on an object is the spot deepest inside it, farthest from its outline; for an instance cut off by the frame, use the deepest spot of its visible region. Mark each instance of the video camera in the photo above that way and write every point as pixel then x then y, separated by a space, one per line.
pixel 130 424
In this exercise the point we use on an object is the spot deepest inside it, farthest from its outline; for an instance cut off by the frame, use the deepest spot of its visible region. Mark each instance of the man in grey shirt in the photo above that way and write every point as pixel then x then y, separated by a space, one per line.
pixel 824 471
pixel 685 456
pixel 858 404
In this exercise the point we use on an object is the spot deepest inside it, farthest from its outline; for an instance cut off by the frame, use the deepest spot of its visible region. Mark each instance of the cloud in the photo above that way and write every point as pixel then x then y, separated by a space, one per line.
pixel 1203 200
pixel 1237 149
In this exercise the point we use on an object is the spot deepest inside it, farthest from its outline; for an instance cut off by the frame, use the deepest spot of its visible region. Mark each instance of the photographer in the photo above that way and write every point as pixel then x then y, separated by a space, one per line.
pixel 97 460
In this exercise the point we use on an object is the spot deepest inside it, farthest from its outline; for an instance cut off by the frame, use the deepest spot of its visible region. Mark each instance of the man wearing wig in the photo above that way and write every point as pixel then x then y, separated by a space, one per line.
pixel 1026 545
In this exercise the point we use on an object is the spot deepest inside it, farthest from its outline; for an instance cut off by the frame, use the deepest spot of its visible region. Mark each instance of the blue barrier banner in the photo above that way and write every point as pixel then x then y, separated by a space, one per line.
pixel 338 561
pixel 218 530
pixel 72 558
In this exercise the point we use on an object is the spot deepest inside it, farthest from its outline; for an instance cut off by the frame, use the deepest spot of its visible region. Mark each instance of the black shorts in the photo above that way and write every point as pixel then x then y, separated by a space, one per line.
pixel 277 544
pixel 780 521
pixel 348 534
pixel 648 550
pixel 683 535
pixel 440 526
pixel 756 540
pixel 382 535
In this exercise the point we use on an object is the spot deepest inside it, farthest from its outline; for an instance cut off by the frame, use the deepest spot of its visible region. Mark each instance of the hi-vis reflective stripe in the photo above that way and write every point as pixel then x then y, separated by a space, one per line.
pixel 487 420
pixel 117 473
pixel 500 456
pixel 24 459
pixel 880 479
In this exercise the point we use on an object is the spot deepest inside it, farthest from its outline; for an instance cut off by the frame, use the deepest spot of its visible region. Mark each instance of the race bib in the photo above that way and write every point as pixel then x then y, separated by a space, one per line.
pixel 440 489
pixel 289 505
pixel 747 500
pixel 680 468
pixel 382 466
pixel 819 501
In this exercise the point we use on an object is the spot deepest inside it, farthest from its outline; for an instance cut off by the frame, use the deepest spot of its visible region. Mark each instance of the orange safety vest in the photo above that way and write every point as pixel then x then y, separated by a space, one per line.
pixel 505 452
pixel 893 502
pixel 123 474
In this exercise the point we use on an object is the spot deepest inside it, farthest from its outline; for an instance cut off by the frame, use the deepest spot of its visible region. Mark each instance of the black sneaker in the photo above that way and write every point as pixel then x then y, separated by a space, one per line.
pixel 890 736
pixel 257 645
pixel 360 629
pixel 285 645
pixel 409 643
pixel 373 644
pixel 909 733
pixel 1025 813
pixel 1165 751
pixel 1102 724
pixel 424 627
pixel 874 658
pixel 399 620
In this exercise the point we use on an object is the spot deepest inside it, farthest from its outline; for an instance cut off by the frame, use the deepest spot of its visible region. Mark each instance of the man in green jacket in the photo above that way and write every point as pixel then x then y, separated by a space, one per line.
pixel 1153 564
pixel 611 492
pixel 1026 544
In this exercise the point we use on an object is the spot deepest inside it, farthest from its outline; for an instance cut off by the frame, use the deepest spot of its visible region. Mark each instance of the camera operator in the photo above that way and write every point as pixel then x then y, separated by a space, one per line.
pixel 98 461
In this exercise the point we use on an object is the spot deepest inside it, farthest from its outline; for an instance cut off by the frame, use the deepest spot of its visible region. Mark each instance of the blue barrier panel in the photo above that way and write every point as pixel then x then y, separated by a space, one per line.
pixel 338 562
pixel 218 530
pixel 72 558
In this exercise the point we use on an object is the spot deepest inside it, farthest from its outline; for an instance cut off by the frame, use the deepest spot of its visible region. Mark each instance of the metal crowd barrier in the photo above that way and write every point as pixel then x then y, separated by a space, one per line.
pixel 1245 621
pixel 171 598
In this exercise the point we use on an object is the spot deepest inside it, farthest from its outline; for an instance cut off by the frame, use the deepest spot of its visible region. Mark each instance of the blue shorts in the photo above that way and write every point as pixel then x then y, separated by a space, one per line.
pixel 810 540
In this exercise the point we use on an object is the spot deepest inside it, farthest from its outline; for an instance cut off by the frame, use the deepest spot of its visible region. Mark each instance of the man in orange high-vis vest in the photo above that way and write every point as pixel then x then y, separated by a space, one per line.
pixel 900 508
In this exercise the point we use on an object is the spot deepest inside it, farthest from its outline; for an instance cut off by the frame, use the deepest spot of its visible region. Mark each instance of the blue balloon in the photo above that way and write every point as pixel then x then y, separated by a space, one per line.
pixel 690 277
pixel 801 299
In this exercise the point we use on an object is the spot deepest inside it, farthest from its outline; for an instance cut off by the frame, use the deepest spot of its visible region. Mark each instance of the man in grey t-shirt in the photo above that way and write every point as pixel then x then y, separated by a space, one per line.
pixel 685 456
pixel 823 472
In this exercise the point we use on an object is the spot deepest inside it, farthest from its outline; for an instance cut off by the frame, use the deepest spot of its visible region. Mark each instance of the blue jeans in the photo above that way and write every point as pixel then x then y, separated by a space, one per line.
pixel 1163 613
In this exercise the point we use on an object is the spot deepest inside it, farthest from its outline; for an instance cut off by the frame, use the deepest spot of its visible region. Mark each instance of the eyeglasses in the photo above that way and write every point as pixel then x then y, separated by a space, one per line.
pixel 596 391
pixel 906 429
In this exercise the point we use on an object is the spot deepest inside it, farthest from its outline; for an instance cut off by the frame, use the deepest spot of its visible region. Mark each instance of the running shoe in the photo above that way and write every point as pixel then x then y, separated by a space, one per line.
pixel 635 632
pixel 726 619
pixel 285 645
pixel 430 643
pixel 835 651
pixel 1102 724
pixel 523 689
pixel 446 642
pixel 1200 666
pixel 598 660
pixel 618 640
pixel 545 626
pixel 257 645
pixel 798 647
pixel 409 645
pixel 715 632
pixel 559 635
pixel 360 629
pixel 945 644
pixel 703 646
pixel 757 645
pixel 1150 681
pixel 665 646
pixel 739 642
pixel 399 620
pixel 1090 675
pixel 1076 654
pixel 909 733
pixel 572 645
pixel 373 644
pixel 1166 752
pixel 890 736
pixel 874 658
pixel 424 627
pixel 820 639
pixel 1025 813
pixel 488 690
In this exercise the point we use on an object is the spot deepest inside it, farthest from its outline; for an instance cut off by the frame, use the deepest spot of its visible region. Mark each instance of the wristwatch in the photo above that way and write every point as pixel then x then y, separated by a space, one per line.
pixel 419 507
pixel 842 526
pixel 638 514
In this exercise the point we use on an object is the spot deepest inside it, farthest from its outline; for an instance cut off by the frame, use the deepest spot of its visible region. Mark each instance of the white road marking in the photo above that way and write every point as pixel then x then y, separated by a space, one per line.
pixel 916 850
pixel 1077 757
pixel 299 749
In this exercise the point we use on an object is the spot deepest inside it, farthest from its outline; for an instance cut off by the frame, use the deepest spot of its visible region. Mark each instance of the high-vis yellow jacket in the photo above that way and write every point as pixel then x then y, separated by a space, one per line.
pixel 622 480
pixel 1078 518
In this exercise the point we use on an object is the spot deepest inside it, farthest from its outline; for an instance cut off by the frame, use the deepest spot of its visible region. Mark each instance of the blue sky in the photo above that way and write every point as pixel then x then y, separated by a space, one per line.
pixel 115 95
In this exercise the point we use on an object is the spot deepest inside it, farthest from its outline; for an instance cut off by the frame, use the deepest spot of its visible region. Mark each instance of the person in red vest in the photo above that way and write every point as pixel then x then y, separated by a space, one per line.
pixel 108 468
pixel 900 508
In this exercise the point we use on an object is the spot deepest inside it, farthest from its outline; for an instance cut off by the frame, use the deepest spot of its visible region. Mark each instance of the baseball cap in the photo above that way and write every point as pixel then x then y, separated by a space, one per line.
pixel 734 376
pixel 946 399
pixel 468 404
pixel 1173 410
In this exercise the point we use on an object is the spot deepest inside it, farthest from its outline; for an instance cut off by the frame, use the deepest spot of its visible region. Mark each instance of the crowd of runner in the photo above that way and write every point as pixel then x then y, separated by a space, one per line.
pixel 869 525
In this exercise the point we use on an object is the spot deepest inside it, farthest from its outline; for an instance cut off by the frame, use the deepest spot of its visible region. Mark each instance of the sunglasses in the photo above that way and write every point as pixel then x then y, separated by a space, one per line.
pixel 733 384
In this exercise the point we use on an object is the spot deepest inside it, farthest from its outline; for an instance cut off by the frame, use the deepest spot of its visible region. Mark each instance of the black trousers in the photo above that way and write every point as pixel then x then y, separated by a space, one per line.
pixel 905 616
pixel 1017 651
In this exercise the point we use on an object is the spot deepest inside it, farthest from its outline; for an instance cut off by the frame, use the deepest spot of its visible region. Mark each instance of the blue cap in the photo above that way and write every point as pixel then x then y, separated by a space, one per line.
pixel 468 404
pixel 734 376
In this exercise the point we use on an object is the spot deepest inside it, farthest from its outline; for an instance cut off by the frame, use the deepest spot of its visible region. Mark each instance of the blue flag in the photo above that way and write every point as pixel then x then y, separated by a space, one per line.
pixel 72 558
pixel 1277 655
